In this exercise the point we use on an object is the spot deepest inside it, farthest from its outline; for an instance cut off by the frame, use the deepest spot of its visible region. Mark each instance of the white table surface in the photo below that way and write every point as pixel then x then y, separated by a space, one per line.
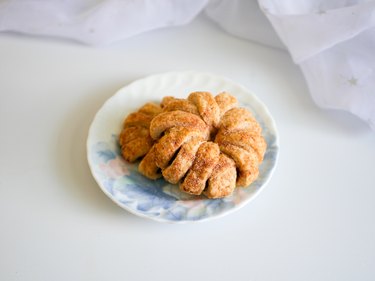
pixel 315 220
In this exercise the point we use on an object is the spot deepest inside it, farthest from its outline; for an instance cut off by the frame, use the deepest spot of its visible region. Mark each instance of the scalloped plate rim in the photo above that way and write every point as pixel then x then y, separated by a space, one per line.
pixel 270 124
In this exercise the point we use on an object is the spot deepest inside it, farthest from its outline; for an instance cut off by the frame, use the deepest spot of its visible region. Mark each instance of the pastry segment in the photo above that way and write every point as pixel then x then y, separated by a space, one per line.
pixel 205 161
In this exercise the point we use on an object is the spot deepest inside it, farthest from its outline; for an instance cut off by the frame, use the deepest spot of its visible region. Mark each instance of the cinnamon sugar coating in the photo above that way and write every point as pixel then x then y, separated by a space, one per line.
pixel 205 144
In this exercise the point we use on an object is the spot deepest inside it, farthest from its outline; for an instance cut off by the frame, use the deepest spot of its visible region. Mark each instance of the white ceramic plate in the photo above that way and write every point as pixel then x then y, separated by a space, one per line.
pixel 158 199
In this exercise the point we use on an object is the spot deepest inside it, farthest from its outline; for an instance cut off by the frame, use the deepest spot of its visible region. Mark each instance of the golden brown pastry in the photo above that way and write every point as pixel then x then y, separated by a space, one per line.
pixel 244 139
pixel 177 118
pixel 183 161
pixel 246 163
pixel 205 161
pixel 172 104
pixel 207 107
pixel 148 166
pixel 222 181
pixel 168 145
pixel 225 102
pixel 135 140
pixel 240 119
pixel 240 138
pixel 206 144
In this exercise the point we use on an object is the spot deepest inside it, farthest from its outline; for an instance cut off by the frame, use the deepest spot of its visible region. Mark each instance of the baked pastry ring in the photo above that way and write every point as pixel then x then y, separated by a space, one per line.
pixel 206 144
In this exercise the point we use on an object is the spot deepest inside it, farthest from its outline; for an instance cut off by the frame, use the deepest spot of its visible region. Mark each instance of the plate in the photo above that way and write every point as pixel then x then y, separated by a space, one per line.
pixel 158 199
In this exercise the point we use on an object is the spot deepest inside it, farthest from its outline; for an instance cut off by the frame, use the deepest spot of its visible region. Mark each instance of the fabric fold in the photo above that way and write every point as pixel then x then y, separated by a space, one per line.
pixel 95 22
pixel 307 34
pixel 332 41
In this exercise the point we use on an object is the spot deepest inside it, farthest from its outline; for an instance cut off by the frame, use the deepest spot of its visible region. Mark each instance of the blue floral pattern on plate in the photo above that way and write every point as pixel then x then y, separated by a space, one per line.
pixel 158 199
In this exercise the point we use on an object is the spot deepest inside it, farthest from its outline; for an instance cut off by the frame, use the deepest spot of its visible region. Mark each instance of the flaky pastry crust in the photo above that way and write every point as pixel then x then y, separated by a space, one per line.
pixel 205 144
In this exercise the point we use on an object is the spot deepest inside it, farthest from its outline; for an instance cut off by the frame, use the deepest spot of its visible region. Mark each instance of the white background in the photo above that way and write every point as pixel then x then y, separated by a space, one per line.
pixel 314 221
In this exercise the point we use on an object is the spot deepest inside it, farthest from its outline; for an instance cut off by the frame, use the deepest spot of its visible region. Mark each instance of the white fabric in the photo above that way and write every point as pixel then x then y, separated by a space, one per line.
pixel 95 22
pixel 243 18
pixel 332 41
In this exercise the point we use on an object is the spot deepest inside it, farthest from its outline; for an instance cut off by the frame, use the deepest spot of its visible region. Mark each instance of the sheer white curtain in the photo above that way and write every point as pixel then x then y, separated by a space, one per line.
pixel 332 41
